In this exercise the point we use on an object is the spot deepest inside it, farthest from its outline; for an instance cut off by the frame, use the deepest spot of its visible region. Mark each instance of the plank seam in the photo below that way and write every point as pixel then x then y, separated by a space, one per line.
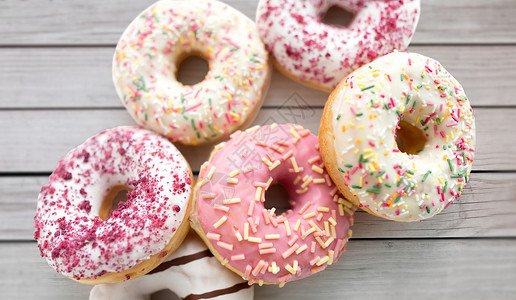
pixel 272 107
pixel 496 238
pixel 416 44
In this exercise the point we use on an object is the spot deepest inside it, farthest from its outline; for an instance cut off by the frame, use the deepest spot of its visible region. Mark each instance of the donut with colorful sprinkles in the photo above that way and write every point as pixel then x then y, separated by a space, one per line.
pixel 253 241
pixel 398 137
pixel 85 235
pixel 320 55
pixel 150 50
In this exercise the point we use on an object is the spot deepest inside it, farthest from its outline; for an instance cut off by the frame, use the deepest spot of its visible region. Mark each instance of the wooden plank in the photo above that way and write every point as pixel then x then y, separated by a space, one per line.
pixel 369 269
pixel 486 209
pixel 81 77
pixel 57 77
pixel 34 140
pixel 419 269
pixel 97 22
pixel 466 21
pixel 18 206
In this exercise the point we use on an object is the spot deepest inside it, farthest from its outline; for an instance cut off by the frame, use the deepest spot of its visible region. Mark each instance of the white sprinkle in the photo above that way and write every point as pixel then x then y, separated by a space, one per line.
pixel 232 180
pixel 317 169
pixel 301 249
pixel 254 239
pixel 234 173
pixel 213 236
pixel 238 257
pixel 210 173
pixel 231 201
pixel 220 221
pixel 208 195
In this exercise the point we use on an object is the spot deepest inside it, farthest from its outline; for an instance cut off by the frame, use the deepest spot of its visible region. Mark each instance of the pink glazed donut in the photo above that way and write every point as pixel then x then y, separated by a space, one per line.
pixel 83 237
pixel 229 212
pixel 320 55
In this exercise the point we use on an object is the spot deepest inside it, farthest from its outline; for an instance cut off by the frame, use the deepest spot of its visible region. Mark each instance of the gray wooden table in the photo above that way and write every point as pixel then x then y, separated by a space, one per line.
pixel 56 91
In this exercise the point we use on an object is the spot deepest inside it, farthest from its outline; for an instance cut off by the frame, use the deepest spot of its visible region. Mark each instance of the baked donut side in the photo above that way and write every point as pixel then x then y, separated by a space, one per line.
pixel 84 237
pixel 147 59
pixel 398 137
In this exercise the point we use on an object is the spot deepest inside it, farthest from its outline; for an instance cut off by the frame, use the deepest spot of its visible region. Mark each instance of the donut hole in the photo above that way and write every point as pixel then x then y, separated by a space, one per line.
pixel 114 197
pixel 409 138
pixel 338 17
pixel 192 69
pixel 277 197
pixel 164 295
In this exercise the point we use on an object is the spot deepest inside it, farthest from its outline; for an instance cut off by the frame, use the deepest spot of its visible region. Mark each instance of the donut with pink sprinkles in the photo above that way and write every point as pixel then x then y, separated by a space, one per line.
pixel 84 236
pixel 321 55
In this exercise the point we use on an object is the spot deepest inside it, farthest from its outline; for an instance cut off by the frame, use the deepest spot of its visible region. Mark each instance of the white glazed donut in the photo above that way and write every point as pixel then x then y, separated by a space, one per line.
pixel 321 55
pixel 83 238
pixel 151 48
pixel 413 98
pixel 191 273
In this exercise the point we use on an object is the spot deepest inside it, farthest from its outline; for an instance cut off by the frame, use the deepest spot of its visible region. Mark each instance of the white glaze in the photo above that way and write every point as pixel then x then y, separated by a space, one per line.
pixel 397 76
pixel 146 62
pixel 199 276
pixel 323 54
pixel 69 231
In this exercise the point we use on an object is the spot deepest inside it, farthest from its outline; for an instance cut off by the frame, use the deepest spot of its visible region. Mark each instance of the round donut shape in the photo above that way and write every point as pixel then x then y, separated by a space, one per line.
pixel 320 55
pixel 398 137
pixel 151 49
pixel 191 272
pixel 79 233
pixel 229 212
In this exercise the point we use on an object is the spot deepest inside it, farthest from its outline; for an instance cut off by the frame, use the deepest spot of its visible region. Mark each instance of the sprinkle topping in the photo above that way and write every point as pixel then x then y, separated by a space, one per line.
pixel 323 54
pixel 274 244
pixel 382 97
pixel 70 233
pixel 146 62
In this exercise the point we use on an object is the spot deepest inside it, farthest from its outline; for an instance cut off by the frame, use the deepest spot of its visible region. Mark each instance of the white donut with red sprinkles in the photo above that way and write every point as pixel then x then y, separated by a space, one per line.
pixel 321 55
pixel 76 230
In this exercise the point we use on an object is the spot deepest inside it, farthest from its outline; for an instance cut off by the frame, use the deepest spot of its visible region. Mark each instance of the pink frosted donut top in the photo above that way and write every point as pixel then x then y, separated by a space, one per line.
pixel 266 247
pixel 71 235
pixel 322 54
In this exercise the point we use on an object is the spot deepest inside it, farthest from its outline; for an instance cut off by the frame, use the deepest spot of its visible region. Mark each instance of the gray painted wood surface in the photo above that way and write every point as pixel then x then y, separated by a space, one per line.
pixel 55 78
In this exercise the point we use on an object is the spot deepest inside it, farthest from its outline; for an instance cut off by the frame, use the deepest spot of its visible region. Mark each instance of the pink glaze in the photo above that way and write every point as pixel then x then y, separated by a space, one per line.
pixel 323 54
pixel 71 235
pixel 263 246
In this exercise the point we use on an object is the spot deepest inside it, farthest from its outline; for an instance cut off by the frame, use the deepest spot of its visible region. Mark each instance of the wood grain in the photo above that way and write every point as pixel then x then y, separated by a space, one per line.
pixel 55 78
pixel 34 140
pixel 369 269
pixel 98 22
pixel 81 77
pixel 486 209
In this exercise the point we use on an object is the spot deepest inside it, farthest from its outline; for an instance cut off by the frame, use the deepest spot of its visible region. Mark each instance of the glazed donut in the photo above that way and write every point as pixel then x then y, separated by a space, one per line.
pixel 398 136
pixel 305 49
pixel 191 272
pixel 229 212
pixel 76 230
pixel 150 50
